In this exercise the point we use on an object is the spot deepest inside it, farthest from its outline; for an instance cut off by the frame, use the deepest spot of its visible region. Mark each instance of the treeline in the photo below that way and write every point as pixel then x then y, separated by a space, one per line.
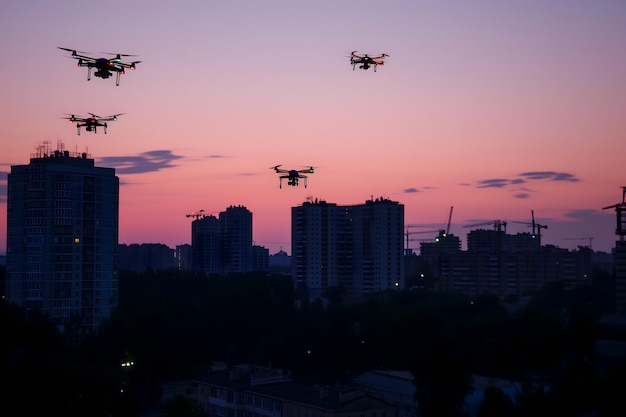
pixel 173 325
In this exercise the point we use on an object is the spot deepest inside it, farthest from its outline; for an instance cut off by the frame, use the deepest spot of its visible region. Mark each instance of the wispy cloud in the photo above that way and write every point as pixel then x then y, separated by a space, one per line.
pixel 411 190
pixel 549 176
pixel 494 183
pixel 150 161
pixel 526 178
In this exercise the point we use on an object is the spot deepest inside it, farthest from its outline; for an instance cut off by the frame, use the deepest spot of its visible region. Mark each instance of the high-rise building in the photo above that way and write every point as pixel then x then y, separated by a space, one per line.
pixel 62 237
pixel 235 231
pixel 205 245
pixel 359 248
pixel 140 257
pixel 184 256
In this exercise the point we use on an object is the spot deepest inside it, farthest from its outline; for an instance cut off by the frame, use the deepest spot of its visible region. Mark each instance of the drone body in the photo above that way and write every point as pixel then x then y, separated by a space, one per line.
pixel 365 61
pixel 92 123
pixel 105 67
pixel 292 175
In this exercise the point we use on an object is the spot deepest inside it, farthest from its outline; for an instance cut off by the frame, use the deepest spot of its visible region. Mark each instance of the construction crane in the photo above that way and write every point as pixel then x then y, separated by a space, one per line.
pixel 582 238
pixel 498 225
pixel 536 226
pixel 620 209
pixel 196 214
pixel 449 221
pixel 413 233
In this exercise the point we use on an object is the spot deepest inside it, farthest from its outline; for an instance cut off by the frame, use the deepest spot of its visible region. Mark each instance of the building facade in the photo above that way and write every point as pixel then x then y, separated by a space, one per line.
pixel 223 245
pixel 359 248
pixel 251 391
pixel 205 245
pixel 62 237
pixel 235 231
pixel 139 257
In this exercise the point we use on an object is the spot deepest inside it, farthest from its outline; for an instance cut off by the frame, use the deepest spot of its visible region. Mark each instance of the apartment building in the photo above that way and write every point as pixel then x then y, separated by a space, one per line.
pixel 359 247
pixel 62 237
pixel 252 391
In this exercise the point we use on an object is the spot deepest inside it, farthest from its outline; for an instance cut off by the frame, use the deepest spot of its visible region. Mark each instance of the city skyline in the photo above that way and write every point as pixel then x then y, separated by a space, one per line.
pixel 497 109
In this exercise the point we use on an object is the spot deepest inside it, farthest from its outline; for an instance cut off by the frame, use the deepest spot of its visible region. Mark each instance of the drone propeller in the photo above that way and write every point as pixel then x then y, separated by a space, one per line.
pixel 73 51
pixel 120 55
pixel 309 168
pixel 276 166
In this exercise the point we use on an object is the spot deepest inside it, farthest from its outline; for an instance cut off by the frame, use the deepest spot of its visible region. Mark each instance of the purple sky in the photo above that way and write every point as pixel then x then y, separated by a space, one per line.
pixel 497 108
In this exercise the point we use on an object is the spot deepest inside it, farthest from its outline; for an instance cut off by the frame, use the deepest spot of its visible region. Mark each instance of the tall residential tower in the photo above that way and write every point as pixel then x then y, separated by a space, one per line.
pixel 62 237
pixel 359 248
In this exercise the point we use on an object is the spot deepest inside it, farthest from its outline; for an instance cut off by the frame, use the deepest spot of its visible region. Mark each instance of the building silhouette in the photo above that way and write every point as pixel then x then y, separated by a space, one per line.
pixel 140 257
pixel 223 245
pixel 250 390
pixel 184 257
pixel 205 245
pixel 235 234
pixel 62 237
pixel 260 258
pixel 358 248
pixel 502 264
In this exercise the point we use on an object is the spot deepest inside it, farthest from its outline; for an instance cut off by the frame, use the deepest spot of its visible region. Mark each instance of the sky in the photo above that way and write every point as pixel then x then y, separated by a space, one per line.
pixel 500 109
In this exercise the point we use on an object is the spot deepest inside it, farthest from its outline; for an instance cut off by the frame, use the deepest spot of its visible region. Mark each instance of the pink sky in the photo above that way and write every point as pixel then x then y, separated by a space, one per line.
pixel 497 108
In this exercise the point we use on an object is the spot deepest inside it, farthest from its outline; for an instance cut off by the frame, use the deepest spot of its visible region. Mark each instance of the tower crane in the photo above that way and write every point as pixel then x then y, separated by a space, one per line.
pixel 449 220
pixel 196 214
pixel 620 209
pixel 582 238
pixel 412 233
pixel 498 225
pixel 535 226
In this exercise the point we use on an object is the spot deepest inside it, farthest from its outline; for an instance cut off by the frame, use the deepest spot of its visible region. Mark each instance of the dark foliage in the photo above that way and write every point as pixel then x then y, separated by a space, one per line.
pixel 174 325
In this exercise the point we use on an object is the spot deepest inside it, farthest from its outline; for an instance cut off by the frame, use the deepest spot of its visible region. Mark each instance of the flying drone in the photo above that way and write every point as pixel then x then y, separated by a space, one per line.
pixel 92 123
pixel 365 61
pixel 105 67
pixel 292 175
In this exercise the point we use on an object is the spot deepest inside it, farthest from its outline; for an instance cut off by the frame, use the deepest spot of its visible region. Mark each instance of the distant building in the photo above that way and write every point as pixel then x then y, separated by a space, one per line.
pixel 393 387
pixel 62 237
pixel 184 257
pixel 505 265
pixel 235 233
pixel 280 263
pixel 260 258
pixel 139 257
pixel 620 276
pixel 266 392
pixel 205 245
pixel 359 247
pixel 223 245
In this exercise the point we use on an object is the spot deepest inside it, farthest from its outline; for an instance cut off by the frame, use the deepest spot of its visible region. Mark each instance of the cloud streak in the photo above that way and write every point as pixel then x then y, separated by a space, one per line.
pixel 526 177
pixel 150 161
